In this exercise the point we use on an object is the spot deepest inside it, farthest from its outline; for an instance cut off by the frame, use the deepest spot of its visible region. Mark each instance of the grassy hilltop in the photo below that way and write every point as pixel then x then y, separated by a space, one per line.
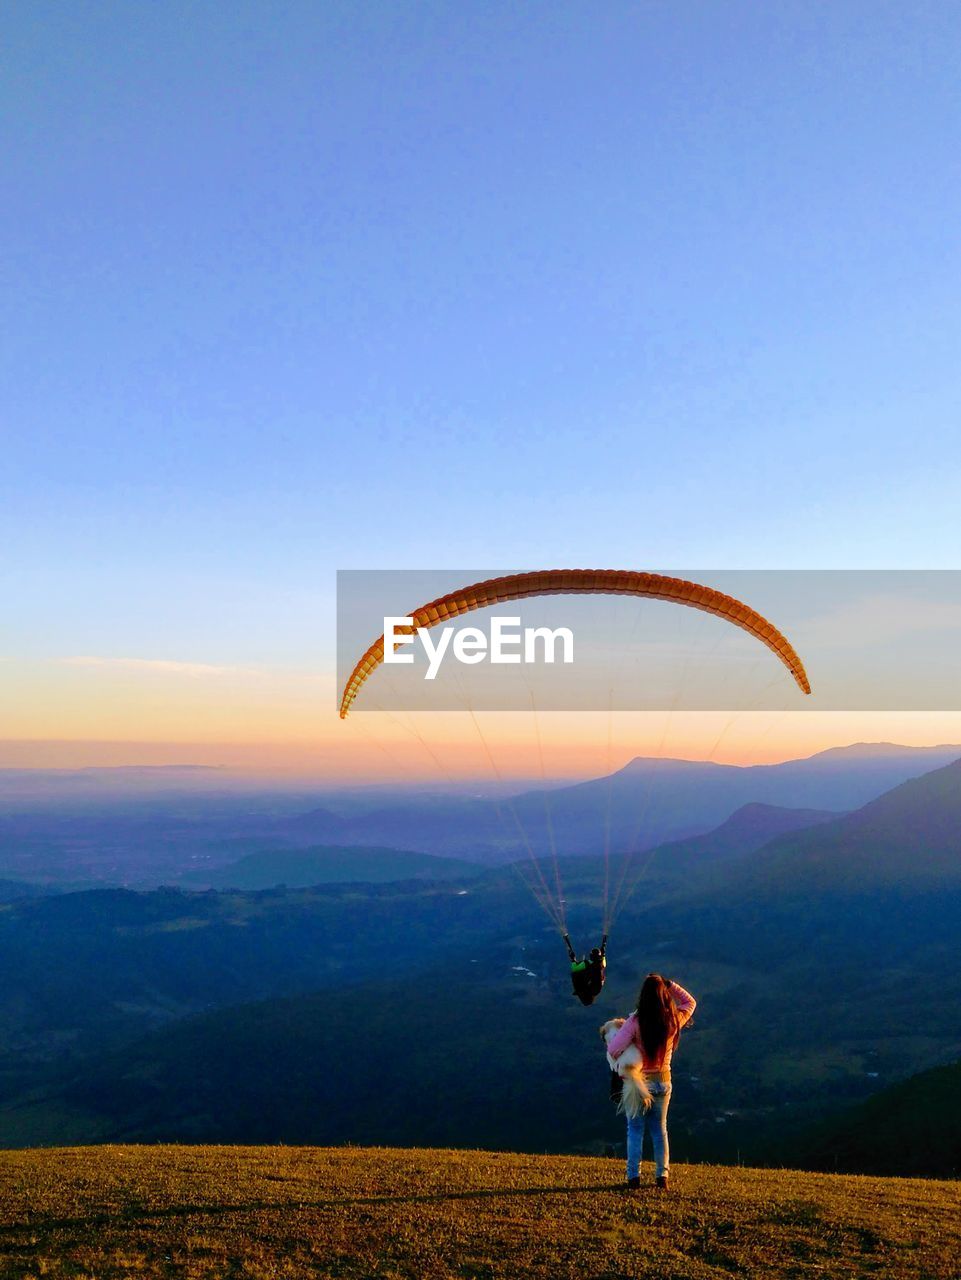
pixel 103 1213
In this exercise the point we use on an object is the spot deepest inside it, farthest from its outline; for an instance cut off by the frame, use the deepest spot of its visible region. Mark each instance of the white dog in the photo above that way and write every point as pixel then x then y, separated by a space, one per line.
pixel 635 1095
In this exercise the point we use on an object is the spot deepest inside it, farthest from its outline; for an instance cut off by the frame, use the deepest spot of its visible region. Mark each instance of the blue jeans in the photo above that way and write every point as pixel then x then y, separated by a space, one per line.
pixel 654 1120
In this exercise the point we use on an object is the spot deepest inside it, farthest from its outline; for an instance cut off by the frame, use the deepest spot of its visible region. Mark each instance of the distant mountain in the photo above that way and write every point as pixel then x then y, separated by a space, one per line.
pixel 107 835
pixel 911 1128
pixel 329 864
pixel 909 838
pixel 648 802
pixel 860 917
pixel 746 830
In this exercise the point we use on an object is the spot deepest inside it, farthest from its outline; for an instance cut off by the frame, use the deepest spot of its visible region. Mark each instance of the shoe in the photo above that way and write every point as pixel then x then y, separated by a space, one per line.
pixel 632 1184
pixel 661 1183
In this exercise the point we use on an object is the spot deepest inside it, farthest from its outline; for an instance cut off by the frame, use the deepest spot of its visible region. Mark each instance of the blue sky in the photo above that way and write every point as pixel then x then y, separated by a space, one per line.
pixel 298 287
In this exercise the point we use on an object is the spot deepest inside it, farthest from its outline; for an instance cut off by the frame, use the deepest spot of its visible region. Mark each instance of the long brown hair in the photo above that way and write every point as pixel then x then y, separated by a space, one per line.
pixel 656 1018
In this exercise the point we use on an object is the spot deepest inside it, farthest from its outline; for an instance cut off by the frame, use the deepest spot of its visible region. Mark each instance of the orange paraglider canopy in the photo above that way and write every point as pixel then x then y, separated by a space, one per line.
pixel 549 582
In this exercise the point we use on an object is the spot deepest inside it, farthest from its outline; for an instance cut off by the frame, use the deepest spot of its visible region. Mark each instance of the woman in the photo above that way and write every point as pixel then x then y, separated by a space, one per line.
pixel 654 1027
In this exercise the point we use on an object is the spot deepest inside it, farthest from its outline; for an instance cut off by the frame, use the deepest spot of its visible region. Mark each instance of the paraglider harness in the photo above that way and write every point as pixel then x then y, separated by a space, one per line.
pixel 588 974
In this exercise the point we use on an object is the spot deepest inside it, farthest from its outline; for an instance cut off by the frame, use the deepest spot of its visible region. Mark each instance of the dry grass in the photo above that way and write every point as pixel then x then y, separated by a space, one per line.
pixel 269 1212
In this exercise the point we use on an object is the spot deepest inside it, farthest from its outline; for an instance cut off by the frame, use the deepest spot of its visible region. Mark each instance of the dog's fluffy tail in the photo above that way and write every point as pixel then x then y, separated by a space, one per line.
pixel 635 1096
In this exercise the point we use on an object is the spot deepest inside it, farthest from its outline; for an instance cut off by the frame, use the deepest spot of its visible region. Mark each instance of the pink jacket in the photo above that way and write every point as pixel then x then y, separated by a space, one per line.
pixel 630 1032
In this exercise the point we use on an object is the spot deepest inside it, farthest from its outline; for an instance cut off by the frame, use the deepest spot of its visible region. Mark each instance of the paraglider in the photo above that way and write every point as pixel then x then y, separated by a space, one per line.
pixel 587 973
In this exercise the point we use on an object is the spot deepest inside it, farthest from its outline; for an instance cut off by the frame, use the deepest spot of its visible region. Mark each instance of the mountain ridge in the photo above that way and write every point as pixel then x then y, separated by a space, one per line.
pixel 910 835
pixel 639 806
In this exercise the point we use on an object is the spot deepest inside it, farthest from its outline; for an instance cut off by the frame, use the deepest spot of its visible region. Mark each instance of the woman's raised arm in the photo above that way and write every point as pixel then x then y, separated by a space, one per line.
pixel 684 1002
